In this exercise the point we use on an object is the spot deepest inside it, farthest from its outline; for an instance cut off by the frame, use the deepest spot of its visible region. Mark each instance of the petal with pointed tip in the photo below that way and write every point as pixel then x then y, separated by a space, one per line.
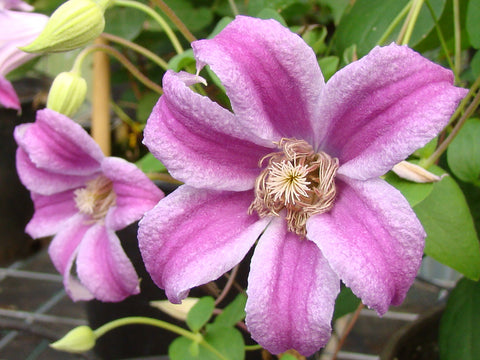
pixel 383 107
pixel 372 239
pixel 194 236
pixel 291 292
pixel 104 268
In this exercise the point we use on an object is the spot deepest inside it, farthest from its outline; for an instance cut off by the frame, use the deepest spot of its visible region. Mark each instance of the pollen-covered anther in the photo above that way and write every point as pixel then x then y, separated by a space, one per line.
pixel 298 180
pixel 96 198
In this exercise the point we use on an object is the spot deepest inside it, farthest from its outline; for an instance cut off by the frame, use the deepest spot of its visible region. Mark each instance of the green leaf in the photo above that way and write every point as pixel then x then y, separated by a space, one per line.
pixel 475 64
pixel 227 340
pixel 200 313
pixel 459 333
pixel 182 60
pixel 413 192
pixel 338 7
pixel 233 312
pixel 463 154
pixel 328 65
pixel 473 22
pixel 367 21
pixel 271 14
pixel 451 236
pixel 221 24
pixel 124 22
pixel 346 303
pixel 150 164
pixel 145 106
pixel 195 18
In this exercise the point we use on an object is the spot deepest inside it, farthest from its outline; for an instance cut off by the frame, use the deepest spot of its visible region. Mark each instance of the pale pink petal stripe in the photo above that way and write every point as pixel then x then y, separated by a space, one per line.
pixel 135 192
pixel 383 107
pixel 271 76
pixel 372 240
pixel 104 268
pixel 291 292
pixel 194 236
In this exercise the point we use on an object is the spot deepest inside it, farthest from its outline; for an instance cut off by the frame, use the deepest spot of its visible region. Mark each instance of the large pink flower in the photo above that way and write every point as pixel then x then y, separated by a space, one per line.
pixel 16 29
pixel 295 165
pixel 83 197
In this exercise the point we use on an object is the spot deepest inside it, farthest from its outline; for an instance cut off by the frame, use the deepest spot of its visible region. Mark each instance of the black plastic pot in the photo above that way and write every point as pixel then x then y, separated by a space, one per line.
pixel 416 341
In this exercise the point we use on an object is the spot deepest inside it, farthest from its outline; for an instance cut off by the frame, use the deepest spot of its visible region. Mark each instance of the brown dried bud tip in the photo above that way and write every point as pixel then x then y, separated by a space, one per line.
pixel 296 179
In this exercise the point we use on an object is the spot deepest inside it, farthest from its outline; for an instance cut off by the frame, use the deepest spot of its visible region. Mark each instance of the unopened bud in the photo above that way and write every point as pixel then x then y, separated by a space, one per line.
pixel 177 311
pixel 415 173
pixel 74 24
pixel 67 93
pixel 77 340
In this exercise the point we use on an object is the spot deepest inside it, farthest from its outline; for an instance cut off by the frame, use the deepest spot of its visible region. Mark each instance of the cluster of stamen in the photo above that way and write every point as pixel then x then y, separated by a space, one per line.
pixel 96 198
pixel 298 180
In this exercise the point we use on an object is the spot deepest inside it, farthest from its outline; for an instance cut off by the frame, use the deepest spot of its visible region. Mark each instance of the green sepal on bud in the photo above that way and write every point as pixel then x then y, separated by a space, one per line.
pixel 74 24
pixel 67 93
pixel 77 340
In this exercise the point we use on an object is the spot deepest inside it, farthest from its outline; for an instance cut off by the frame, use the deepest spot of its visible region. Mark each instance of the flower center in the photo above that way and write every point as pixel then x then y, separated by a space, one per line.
pixel 296 179
pixel 96 198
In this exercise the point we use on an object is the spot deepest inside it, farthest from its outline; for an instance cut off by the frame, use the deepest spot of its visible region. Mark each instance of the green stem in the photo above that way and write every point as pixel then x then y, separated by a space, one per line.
pixel 394 23
pixel 415 11
pixel 140 49
pixel 253 347
pixel 233 7
pixel 168 30
pixel 440 37
pixel 122 59
pixel 196 337
pixel 458 41
pixel 176 20
pixel 426 163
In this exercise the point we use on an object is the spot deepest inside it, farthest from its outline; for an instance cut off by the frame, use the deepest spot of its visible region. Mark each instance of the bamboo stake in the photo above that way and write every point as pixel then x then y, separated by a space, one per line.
pixel 101 99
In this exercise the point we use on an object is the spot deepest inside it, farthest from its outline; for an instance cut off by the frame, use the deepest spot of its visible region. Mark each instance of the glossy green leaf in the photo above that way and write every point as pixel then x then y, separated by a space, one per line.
pixel 459 333
pixel 181 61
pixel 413 192
pixel 145 106
pixel 233 312
pixel 451 236
pixel 200 313
pixel 346 303
pixel 124 22
pixel 329 66
pixel 227 340
pixel 150 164
pixel 367 21
pixel 271 14
pixel 463 154
pixel 473 22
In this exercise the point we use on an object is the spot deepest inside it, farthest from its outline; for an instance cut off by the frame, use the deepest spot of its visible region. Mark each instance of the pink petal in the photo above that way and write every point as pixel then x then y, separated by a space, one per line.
pixel 383 107
pixel 199 142
pixel 372 240
pixel 291 293
pixel 104 268
pixel 65 243
pixel 15 5
pixel 271 76
pixel 136 193
pixel 58 144
pixel 194 236
pixel 51 212
pixel 45 182
pixel 75 289
pixel 8 96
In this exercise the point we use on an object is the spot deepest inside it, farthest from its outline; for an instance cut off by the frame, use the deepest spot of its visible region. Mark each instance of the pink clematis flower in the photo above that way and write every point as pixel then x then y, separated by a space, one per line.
pixel 83 197
pixel 16 29
pixel 295 165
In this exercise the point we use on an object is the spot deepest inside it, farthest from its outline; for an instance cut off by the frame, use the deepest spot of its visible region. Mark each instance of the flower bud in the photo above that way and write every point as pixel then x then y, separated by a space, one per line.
pixel 77 340
pixel 177 311
pixel 67 93
pixel 72 25
pixel 415 173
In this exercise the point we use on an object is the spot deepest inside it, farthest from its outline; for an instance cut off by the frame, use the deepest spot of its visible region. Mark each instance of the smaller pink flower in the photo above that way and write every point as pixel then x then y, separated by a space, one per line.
pixel 16 29
pixel 83 197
